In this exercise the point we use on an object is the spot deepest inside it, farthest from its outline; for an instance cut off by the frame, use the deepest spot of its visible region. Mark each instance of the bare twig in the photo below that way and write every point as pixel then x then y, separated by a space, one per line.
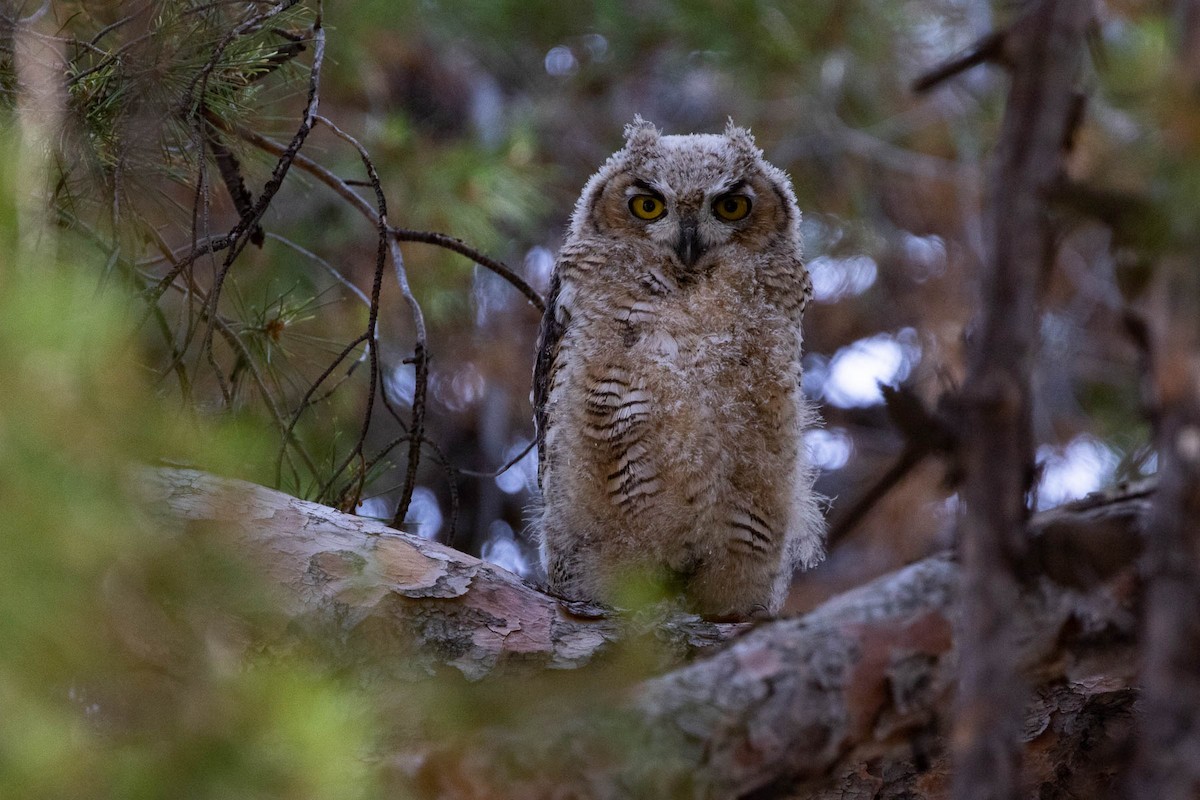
pixel 345 190
pixel 460 247
pixel 925 433
pixel 989 48
pixel 421 360
pixel 240 235
pixel 512 462
pixel 912 455
pixel 383 250
pixel 333 271
pixel 416 426
pixel 130 17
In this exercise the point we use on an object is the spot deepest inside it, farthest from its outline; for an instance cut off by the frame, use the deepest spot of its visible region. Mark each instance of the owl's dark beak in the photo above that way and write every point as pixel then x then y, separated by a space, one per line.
pixel 689 248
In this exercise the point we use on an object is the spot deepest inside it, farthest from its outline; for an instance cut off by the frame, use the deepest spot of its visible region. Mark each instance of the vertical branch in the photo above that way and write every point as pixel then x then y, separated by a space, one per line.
pixel 381 225
pixel 420 359
pixel 1165 766
pixel 1045 49
pixel 421 379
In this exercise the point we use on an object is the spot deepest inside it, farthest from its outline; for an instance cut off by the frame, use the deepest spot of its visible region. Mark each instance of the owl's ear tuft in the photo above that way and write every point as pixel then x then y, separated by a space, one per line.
pixel 640 133
pixel 741 138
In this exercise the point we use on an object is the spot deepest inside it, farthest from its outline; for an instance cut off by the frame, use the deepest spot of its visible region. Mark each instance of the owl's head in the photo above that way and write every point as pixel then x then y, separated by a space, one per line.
pixel 691 197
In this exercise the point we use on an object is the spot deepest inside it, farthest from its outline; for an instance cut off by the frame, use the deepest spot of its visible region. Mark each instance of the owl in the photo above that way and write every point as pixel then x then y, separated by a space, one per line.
pixel 667 390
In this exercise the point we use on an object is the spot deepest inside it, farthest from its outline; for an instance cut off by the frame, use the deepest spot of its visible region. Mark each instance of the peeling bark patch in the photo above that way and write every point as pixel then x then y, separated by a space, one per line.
pixel 406 567
pixel 453 580
pixel 333 565
pixel 1081 743
pixel 871 681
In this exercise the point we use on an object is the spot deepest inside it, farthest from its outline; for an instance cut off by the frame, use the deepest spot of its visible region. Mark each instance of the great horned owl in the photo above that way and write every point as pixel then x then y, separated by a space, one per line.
pixel 667 386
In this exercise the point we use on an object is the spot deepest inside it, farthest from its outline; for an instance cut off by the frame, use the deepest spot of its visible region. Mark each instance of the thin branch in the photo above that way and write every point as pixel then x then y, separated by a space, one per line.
pixel 460 247
pixel 333 271
pixel 912 455
pixel 416 427
pixel 241 234
pixel 512 462
pixel 345 190
pixel 107 29
pixel 987 49
pixel 420 385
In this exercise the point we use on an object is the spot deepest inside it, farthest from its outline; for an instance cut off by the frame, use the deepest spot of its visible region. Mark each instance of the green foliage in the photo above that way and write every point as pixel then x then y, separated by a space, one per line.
pixel 134 85
pixel 124 641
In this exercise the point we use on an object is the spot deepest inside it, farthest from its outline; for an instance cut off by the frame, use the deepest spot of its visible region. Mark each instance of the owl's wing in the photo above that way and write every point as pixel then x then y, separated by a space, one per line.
pixel 554 323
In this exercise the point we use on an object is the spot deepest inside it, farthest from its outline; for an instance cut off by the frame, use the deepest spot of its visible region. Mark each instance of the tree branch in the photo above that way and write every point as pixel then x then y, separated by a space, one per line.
pixel 1046 51
pixel 855 694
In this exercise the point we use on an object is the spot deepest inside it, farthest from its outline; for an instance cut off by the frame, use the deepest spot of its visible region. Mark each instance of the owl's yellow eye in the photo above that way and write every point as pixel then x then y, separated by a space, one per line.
pixel 732 207
pixel 647 206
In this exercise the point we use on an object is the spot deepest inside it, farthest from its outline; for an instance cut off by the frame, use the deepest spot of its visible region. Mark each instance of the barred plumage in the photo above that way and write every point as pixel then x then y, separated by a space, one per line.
pixel 667 386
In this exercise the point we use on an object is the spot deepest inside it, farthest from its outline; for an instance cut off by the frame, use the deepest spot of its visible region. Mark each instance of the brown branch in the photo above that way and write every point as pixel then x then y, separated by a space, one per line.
pixel 1169 724
pixel 987 49
pixel 458 246
pixel 345 190
pixel 231 175
pixel 925 433
pixel 851 700
pixel 1046 50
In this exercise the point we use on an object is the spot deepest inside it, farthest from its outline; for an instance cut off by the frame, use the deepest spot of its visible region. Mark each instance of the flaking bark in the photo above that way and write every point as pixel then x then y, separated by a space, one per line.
pixel 851 700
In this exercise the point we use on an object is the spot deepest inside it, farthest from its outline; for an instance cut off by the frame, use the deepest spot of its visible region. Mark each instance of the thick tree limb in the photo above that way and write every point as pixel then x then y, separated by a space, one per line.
pixel 415 603
pixel 851 700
